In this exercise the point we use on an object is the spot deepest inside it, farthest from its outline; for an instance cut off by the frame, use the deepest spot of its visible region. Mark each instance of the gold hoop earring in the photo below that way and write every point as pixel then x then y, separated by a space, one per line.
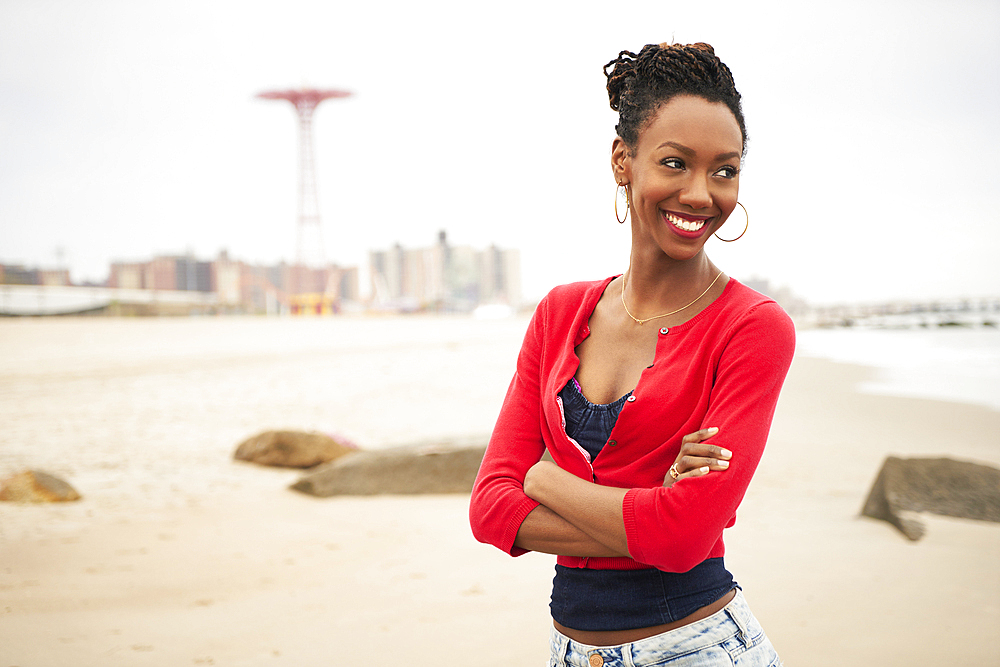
pixel 621 221
pixel 745 228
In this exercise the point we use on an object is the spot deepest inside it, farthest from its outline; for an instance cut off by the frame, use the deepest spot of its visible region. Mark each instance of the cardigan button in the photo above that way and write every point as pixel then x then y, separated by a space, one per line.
pixel 664 331
pixel 613 443
pixel 630 399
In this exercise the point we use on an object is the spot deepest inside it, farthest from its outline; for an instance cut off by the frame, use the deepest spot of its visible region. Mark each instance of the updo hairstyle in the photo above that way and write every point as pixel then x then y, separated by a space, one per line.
pixel 639 84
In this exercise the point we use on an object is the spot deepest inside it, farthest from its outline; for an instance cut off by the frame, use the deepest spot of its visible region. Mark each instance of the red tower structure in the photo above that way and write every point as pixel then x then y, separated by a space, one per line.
pixel 307 251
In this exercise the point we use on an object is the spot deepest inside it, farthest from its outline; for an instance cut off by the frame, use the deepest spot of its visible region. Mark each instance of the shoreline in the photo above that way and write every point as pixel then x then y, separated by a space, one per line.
pixel 954 364
pixel 177 555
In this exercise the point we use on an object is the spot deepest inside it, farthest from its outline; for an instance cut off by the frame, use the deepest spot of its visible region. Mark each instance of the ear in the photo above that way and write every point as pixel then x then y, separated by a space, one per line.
pixel 621 162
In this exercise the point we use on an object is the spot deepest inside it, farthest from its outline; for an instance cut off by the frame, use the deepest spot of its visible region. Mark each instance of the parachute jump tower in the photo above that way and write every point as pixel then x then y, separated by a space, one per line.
pixel 309 242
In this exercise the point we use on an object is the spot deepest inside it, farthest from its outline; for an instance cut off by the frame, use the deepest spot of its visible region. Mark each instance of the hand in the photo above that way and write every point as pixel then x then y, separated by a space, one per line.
pixel 697 458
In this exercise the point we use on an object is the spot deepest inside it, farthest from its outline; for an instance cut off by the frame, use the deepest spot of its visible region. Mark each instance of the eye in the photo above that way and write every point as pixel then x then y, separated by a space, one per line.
pixel 672 162
pixel 728 172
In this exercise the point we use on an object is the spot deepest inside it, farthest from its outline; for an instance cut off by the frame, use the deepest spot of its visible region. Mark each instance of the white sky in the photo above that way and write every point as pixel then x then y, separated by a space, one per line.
pixel 128 129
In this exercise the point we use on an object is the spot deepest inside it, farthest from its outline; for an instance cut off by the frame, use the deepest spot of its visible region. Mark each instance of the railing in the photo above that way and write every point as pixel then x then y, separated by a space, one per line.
pixel 902 314
pixel 66 300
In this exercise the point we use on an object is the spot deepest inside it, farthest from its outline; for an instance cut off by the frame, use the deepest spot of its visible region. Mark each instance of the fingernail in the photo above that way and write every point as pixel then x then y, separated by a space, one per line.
pixel 722 464
pixel 704 470
pixel 714 429
pixel 727 454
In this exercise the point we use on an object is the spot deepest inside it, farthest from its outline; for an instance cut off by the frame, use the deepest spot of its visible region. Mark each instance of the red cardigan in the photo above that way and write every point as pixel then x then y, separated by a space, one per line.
pixel 723 368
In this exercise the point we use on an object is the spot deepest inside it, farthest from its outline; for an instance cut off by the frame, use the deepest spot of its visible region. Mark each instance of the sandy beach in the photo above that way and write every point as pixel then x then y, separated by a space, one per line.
pixel 179 556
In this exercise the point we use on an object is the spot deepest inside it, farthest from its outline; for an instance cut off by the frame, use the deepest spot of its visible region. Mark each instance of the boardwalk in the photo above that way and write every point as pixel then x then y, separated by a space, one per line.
pixel 67 300
pixel 908 314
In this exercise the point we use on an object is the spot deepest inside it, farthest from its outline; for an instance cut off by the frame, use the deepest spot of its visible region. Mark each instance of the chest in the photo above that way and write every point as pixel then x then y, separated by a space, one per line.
pixel 672 383
pixel 612 361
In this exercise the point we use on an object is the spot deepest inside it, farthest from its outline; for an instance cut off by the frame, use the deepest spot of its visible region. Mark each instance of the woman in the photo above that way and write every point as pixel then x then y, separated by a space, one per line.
pixel 653 392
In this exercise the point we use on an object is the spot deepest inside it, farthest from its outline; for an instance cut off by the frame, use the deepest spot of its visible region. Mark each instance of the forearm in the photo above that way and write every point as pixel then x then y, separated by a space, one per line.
pixel 592 509
pixel 545 531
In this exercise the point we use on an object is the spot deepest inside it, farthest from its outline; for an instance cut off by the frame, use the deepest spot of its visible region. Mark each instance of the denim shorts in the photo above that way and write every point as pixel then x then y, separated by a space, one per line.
pixel 731 636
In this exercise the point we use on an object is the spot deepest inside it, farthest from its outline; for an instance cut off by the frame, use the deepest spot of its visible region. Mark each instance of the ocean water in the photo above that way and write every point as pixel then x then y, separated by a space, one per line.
pixel 960 364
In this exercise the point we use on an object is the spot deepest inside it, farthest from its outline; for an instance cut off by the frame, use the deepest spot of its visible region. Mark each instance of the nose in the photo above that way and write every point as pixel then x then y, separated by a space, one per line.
pixel 696 194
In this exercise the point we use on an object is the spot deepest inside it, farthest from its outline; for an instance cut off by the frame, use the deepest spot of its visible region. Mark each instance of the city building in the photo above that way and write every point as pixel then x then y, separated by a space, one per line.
pixel 443 277
pixel 242 287
pixel 438 278
pixel 18 274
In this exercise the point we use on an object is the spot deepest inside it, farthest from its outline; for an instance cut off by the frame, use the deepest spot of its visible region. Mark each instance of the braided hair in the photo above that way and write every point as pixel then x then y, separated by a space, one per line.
pixel 639 84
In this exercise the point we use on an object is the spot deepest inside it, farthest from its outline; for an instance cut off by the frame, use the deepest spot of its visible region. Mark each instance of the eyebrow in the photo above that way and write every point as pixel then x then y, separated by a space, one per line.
pixel 687 151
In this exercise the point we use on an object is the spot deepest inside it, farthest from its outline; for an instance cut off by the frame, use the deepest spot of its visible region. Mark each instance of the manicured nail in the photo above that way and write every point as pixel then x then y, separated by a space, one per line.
pixel 727 454
pixel 722 464
pixel 713 430
pixel 704 471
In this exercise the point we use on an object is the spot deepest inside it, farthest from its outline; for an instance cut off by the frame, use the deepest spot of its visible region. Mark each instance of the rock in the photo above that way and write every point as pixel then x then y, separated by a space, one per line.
pixel 35 486
pixel 291 449
pixel 945 486
pixel 437 468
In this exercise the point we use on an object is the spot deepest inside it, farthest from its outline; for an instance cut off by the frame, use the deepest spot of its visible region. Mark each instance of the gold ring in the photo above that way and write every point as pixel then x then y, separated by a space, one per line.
pixel 673 471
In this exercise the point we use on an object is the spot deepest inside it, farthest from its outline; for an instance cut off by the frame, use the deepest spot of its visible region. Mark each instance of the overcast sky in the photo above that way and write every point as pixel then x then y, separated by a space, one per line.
pixel 129 129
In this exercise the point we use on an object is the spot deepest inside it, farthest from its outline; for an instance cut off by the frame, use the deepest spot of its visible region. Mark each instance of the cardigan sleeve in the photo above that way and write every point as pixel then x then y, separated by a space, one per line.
pixel 498 504
pixel 676 528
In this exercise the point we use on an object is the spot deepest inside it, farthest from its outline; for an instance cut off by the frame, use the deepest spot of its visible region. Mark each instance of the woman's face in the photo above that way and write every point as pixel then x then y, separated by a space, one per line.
pixel 683 175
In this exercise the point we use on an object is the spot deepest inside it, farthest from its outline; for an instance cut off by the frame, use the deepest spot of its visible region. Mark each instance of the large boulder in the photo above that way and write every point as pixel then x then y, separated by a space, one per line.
pixel 944 486
pixel 291 449
pixel 427 468
pixel 35 486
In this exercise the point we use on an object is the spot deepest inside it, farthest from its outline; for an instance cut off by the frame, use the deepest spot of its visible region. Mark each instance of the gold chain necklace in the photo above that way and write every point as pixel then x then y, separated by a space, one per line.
pixel 672 312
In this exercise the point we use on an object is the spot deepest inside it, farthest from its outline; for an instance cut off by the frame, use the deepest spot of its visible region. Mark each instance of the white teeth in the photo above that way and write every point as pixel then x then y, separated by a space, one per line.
pixel 684 224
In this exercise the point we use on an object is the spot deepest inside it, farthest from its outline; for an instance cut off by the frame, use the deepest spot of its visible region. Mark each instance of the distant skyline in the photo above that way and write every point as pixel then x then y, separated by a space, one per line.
pixel 131 129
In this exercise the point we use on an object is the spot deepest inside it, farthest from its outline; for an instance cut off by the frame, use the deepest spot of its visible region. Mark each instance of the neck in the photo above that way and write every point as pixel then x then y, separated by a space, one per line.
pixel 655 287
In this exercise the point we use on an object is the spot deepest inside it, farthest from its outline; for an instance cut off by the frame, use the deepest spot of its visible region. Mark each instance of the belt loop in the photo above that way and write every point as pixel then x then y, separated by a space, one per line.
pixel 735 609
pixel 627 655
pixel 559 647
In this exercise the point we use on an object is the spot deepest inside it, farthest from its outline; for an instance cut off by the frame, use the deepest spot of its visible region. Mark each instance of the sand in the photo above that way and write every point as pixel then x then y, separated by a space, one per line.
pixel 179 556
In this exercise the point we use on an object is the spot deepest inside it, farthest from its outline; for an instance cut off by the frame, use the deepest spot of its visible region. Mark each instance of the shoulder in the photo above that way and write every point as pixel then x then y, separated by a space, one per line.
pixel 574 292
pixel 571 298
pixel 750 311
pixel 744 302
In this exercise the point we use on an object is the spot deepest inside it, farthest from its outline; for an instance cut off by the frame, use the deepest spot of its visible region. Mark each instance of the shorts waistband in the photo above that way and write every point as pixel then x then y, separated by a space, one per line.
pixel 735 621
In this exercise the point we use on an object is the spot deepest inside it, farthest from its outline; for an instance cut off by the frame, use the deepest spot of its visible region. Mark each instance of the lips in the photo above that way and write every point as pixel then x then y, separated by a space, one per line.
pixel 686 226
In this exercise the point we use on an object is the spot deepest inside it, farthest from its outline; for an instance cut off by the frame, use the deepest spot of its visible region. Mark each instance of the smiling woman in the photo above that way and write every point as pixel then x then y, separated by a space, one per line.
pixel 654 432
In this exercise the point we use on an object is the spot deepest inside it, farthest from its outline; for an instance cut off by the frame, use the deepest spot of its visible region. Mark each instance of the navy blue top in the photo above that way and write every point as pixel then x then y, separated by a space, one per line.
pixel 585 599
pixel 589 423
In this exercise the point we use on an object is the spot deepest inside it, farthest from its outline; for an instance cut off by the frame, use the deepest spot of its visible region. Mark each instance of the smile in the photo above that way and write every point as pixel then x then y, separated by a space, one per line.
pixel 686 225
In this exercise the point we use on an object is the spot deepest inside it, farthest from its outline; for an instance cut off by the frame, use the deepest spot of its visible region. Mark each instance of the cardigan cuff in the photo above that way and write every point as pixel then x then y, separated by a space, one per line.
pixel 520 513
pixel 631 525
